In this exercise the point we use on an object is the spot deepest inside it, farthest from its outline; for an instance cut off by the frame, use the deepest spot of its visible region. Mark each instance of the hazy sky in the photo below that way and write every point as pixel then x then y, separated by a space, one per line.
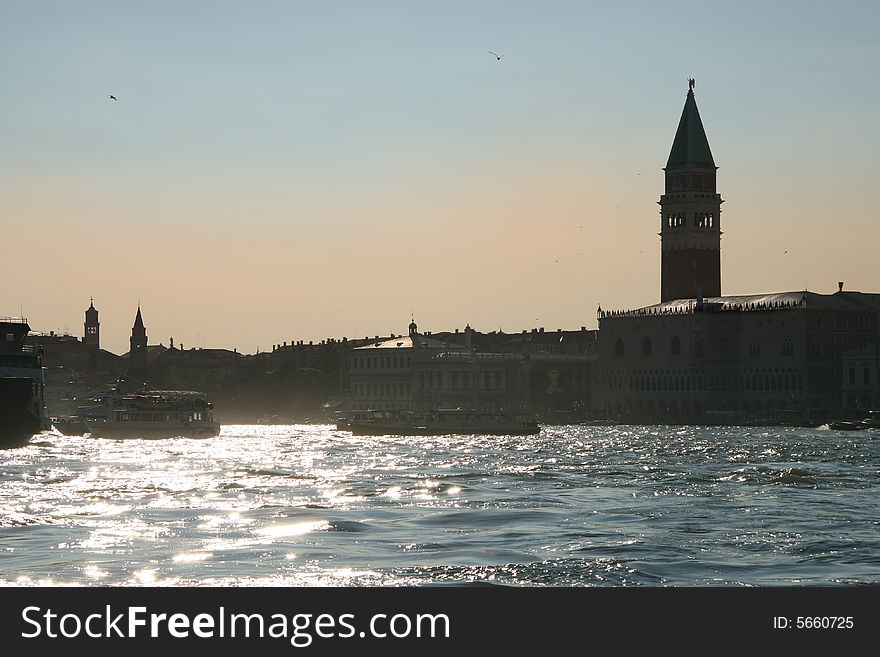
pixel 294 170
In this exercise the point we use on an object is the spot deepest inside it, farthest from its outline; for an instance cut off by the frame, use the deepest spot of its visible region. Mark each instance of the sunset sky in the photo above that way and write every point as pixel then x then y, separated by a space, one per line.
pixel 276 171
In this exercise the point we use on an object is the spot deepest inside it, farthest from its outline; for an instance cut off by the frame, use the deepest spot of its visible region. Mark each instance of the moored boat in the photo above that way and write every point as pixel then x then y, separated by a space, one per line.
pixel 870 422
pixel 22 401
pixel 119 412
pixel 437 422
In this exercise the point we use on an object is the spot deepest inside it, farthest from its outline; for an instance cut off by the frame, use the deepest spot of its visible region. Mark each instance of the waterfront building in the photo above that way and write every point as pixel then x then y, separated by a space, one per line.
pixel 537 371
pixel 860 370
pixel 755 357
pixel 419 371
pixel 72 367
pixel 207 370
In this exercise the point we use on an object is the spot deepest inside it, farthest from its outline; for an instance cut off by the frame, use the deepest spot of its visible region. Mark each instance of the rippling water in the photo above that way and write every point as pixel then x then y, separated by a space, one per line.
pixel 578 505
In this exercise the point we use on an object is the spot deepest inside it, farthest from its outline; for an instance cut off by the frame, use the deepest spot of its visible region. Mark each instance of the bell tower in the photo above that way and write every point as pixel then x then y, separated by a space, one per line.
pixel 690 213
pixel 92 327
pixel 137 355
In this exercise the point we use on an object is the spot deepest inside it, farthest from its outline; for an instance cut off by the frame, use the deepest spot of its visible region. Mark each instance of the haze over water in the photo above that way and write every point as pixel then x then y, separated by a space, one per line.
pixel 578 505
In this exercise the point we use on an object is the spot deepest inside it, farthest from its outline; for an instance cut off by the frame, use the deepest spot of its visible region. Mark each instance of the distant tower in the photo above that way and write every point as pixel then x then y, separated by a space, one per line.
pixel 413 329
pixel 92 327
pixel 137 355
pixel 690 212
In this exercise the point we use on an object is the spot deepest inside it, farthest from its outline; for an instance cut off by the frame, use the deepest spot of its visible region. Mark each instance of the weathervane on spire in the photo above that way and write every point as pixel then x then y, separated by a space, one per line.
pixel 691 84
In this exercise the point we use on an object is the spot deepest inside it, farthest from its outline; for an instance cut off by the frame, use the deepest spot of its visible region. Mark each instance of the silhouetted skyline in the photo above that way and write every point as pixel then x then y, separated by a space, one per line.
pixel 293 171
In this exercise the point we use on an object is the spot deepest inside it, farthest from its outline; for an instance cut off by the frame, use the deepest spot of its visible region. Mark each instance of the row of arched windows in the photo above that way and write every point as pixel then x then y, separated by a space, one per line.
pixel 704 219
pixel 657 383
pixel 466 380
pixel 674 219
pixel 701 219
pixel 647 347
pixel 760 381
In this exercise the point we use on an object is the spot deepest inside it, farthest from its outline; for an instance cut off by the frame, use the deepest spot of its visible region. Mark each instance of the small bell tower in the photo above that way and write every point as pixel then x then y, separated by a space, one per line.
pixel 92 327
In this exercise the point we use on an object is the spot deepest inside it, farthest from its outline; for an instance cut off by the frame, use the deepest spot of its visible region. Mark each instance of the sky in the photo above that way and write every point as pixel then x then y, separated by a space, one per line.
pixel 277 171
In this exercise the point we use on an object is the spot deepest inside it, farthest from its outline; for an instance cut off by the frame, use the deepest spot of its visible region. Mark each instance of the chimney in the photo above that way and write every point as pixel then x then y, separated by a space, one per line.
pixel 840 286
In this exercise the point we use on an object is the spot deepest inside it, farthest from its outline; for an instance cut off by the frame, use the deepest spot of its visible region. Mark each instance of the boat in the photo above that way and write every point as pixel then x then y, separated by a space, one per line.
pixel 120 411
pixel 870 422
pixel 69 425
pixel 22 386
pixel 436 422
pixel 847 425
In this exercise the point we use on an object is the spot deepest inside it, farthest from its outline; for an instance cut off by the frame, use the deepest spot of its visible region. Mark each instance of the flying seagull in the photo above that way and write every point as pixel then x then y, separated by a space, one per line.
pixel 114 98
pixel 497 56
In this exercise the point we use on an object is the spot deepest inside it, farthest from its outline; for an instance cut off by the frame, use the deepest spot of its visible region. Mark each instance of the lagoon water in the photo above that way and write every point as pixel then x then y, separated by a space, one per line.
pixel 573 506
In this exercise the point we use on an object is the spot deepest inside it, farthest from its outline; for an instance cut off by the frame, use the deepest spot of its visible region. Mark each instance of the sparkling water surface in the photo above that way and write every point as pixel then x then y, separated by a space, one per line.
pixel 573 506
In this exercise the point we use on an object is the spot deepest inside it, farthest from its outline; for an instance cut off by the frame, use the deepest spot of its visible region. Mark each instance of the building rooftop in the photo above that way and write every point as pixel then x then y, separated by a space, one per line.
pixel 851 301
pixel 406 342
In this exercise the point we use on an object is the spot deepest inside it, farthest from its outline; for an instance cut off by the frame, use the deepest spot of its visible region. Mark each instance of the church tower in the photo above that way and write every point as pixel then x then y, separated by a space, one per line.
pixel 690 212
pixel 137 355
pixel 92 327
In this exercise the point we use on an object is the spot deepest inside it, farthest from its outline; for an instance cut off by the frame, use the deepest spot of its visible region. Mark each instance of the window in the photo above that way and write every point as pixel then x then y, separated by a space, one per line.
pixel 675 346
pixel 755 349
pixel 618 348
pixel 852 375
pixel 787 347
pixel 646 346
pixel 698 349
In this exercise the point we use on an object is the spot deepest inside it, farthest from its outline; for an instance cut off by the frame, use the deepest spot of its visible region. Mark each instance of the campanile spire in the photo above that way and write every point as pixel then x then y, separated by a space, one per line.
pixel 690 212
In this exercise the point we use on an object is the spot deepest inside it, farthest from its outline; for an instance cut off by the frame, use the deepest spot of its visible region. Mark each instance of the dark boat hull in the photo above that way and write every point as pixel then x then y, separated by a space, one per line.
pixel 150 430
pixel 378 429
pixel 17 423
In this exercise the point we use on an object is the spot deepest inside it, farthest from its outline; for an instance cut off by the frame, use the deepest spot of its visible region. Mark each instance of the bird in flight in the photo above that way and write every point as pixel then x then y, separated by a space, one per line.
pixel 497 56
pixel 114 98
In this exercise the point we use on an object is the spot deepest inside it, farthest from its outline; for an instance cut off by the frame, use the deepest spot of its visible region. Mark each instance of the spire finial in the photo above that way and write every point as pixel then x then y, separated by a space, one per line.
pixel 691 83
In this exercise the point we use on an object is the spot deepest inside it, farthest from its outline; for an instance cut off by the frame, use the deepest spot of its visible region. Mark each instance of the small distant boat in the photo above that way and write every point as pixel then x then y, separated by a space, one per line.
pixel 870 422
pixel 847 425
pixel 121 413
pixel 436 422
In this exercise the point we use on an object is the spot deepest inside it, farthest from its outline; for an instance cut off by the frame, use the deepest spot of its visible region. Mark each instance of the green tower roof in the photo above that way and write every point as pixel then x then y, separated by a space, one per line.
pixel 690 148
